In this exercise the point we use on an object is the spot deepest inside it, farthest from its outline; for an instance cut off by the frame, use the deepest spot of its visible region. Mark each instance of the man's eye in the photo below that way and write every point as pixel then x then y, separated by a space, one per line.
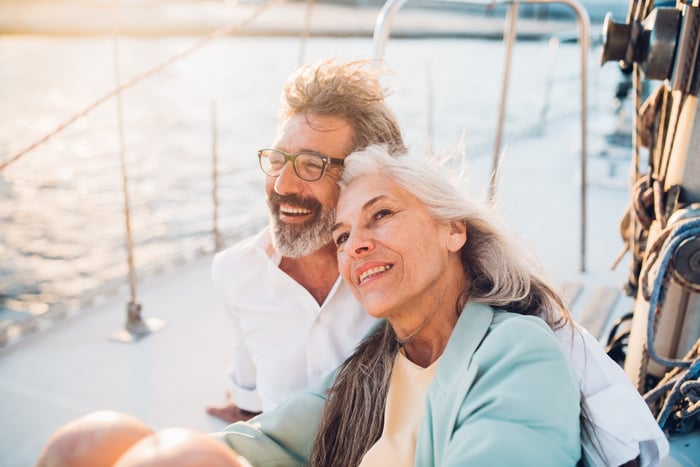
pixel 312 163
pixel 340 239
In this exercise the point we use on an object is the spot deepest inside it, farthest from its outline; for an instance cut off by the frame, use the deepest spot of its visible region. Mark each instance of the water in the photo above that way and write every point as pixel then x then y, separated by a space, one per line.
pixel 61 205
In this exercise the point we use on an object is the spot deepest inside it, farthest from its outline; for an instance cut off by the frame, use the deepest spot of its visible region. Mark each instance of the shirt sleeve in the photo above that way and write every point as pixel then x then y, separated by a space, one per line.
pixel 523 405
pixel 623 426
pixel 241 374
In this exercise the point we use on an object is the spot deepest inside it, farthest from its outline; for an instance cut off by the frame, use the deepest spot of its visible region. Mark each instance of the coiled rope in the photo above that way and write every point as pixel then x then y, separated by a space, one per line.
pixel 682 384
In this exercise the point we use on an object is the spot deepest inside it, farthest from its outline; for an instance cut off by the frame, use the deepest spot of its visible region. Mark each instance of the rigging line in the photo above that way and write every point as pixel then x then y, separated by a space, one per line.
pixel 305 31
pixel 684 230
pixel 135 79
pixel 122 163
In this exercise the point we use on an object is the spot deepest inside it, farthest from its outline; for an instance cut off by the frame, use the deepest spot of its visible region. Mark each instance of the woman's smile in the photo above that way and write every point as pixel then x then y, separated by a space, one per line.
pixel 367 272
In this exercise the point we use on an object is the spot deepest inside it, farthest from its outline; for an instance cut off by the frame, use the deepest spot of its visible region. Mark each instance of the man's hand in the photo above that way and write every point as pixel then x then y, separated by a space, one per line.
pixel 230 412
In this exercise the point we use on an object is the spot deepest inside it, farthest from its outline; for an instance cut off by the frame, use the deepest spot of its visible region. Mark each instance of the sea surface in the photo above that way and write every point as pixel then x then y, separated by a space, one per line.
pixel 62 225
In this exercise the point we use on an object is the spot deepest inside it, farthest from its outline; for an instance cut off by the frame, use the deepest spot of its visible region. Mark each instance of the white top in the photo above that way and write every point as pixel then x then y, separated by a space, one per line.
pixel 284 341
pixel 623 424
pixel 403 414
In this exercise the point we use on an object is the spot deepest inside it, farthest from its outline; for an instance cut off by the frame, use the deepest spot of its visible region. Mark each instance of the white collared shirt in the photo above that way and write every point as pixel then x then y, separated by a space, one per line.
pixel 623 424
pixel 284 341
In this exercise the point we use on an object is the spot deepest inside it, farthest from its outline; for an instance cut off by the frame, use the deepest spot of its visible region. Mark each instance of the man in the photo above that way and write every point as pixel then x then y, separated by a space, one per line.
pixel 295 320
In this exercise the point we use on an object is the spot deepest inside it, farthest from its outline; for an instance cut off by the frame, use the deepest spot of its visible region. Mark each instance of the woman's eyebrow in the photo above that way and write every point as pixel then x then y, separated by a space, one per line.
pixel 336 226
pixel 365 206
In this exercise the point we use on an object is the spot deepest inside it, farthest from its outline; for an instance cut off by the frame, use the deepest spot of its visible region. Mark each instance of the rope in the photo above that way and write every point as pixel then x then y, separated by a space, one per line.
pixel 125 179
pixel 681 384
pixel 639 11
pixel 305 32
pixel 140 77
pixel 683 400
pixel 671 238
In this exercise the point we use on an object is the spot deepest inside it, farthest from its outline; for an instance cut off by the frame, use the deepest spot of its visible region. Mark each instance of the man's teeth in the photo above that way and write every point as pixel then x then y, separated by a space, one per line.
pixel 295 211
pixel 373 271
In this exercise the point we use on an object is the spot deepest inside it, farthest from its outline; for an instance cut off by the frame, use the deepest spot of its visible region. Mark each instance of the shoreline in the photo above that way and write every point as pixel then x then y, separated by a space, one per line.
pixel 281 19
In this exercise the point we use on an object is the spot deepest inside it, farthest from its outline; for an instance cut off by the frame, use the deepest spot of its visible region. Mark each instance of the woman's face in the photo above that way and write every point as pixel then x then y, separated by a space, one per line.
pixel 391 252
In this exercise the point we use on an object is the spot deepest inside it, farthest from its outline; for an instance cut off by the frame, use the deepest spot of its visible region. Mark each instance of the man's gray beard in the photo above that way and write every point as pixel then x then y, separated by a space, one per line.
pixel 297 240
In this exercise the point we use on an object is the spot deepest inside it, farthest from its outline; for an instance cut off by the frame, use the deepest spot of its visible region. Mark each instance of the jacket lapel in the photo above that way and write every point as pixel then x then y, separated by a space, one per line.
pixel 453 377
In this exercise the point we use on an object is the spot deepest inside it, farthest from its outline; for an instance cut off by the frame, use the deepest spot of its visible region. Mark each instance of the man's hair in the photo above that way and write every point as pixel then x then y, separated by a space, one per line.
pixel 349 90
pixel 497 274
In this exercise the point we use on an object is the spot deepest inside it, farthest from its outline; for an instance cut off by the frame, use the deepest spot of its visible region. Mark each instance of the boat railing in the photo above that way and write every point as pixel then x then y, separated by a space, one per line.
pixel 136 326
pixel 381 35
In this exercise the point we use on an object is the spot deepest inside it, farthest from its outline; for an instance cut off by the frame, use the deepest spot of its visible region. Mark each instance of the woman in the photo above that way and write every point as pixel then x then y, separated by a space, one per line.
pixel 617 426
pixel 457 374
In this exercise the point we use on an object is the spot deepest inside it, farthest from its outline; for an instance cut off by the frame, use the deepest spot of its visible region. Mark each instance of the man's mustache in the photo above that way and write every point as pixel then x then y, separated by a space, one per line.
pixel 275 199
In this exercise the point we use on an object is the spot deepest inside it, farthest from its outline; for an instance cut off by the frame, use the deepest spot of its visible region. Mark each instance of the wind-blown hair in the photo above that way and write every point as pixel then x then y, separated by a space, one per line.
pixel 497 274
pixel 351 91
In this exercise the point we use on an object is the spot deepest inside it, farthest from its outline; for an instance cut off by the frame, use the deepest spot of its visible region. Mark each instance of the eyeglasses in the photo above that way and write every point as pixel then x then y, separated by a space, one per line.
pixel 309 166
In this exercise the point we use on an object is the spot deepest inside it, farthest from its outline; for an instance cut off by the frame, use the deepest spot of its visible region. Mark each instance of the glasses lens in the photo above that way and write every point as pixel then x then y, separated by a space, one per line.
pixel 271 161
pixel 309 166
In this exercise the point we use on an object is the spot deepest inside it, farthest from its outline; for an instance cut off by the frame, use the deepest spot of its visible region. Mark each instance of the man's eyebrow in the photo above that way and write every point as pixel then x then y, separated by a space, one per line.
pixel 365 206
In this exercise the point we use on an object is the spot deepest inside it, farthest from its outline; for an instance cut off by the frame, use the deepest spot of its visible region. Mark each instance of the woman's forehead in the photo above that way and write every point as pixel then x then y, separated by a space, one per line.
pixel 367 189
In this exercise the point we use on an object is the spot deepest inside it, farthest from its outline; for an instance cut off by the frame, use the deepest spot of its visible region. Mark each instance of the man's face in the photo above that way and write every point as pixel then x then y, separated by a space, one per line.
pixel 302 212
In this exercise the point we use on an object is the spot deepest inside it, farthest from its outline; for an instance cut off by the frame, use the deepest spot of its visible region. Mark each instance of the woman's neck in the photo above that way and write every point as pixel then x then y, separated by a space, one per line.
pixel 427 346
pixel 426 343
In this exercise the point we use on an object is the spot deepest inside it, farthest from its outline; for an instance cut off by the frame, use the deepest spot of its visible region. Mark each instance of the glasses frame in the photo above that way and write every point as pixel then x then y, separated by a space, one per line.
pixel 293 159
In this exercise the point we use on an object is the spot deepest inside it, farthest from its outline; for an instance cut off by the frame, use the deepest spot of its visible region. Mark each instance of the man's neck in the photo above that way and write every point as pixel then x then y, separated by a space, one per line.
pixel 316 272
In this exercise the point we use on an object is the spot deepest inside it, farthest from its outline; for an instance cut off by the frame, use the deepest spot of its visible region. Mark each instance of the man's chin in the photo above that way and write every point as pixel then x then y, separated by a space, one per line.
pixel 295 240
pixel 295 243
pixel 290 230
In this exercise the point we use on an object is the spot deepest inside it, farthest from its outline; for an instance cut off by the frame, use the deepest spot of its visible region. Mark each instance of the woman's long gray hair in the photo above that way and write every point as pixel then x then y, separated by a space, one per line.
pixel 498 274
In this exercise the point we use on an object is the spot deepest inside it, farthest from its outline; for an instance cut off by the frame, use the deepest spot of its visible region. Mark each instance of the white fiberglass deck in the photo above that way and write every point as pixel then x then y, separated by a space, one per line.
pixel 73 368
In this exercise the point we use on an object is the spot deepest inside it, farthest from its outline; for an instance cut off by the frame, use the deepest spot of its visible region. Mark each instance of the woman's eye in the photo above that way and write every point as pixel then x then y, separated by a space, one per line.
pixel 340 239
pixel 381 214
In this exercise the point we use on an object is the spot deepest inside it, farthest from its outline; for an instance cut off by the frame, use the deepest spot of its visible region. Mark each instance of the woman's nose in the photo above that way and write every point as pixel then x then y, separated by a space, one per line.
pixel 359 244
pixel 287 181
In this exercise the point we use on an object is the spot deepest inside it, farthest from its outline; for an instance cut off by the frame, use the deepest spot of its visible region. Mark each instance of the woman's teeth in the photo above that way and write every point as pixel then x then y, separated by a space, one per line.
pixel 373 271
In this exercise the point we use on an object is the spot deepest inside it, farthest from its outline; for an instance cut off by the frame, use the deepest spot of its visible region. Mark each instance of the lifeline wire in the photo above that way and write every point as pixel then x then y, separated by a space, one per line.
pixel 157 68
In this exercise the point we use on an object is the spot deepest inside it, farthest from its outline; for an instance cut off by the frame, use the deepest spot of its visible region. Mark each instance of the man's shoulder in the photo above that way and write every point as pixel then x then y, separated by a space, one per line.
pixel 256 242
pixel 243 253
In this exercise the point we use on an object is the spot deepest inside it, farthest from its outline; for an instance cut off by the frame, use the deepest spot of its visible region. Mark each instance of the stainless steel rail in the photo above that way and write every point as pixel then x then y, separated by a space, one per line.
pixel 381 35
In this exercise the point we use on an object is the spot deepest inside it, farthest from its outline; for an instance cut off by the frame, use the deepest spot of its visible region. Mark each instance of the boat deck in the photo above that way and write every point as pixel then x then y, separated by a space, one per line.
pixel 74 367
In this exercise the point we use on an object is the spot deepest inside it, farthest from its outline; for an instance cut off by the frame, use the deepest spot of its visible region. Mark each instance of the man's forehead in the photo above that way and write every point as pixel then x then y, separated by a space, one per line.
pixel 318 133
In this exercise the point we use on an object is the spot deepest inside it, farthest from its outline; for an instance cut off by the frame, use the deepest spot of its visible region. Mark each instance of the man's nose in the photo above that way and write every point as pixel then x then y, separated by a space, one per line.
pixel 287 181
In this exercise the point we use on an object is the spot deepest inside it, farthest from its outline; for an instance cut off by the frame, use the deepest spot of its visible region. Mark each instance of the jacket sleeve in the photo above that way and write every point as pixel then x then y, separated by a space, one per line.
pixel 241 374
pixel 522 407
pixel 281 437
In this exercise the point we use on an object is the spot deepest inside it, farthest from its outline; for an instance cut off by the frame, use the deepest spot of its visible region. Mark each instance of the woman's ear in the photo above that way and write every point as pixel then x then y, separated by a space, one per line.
pixel 457 235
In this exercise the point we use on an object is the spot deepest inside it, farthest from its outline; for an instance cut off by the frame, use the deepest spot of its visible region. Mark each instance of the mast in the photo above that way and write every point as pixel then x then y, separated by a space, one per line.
pixel 662 227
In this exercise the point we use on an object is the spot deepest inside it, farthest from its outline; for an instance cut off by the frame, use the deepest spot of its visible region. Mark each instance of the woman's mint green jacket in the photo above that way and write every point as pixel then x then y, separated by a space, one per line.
pixel 503 395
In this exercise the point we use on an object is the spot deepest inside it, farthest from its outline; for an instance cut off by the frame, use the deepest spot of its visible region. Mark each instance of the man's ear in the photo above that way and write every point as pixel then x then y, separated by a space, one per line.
pixel 457 235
